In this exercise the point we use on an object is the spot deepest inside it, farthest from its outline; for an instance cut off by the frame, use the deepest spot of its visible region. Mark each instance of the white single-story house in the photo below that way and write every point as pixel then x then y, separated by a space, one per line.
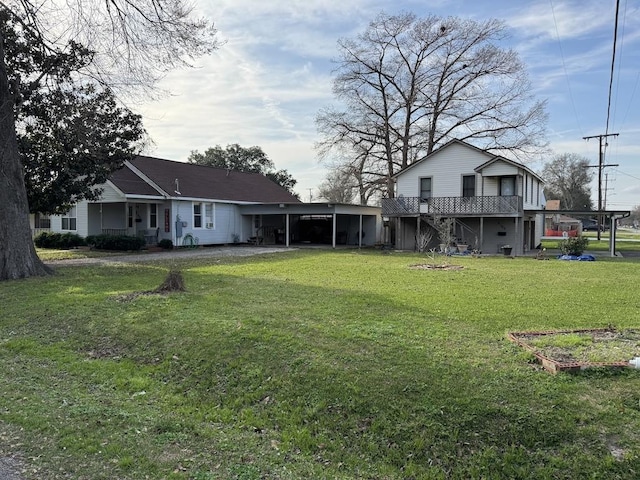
pixel 195 204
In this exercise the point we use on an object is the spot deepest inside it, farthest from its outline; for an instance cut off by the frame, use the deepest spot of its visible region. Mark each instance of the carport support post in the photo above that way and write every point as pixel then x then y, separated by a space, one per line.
pixel 360 233
pixel 333 234
pixel 612 235
pixel 286 229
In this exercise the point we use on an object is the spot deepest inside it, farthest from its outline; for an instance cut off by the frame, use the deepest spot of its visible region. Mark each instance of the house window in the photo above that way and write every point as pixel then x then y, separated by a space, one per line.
pixel 507 186
pixel 469 186
pixel 197 215
pixel 69 219
pixel 153 216
pixel 42 221
pixel 209 215
pixel 425 189
pixel 130 216
pixel 526 186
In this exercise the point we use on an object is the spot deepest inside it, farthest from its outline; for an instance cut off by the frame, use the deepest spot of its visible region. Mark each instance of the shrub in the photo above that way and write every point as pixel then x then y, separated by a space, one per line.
pixel 116 242
pixel 58 240
pixel 573 245
pixel 166 244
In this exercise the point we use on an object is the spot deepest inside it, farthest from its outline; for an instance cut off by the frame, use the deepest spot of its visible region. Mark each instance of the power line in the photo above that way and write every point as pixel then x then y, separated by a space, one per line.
pixel 600 167
pixel 627 174
pixel 613 62
pixel 564 67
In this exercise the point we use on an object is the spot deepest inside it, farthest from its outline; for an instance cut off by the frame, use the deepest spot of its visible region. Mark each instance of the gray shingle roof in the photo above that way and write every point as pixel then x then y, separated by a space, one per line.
pixel 198 181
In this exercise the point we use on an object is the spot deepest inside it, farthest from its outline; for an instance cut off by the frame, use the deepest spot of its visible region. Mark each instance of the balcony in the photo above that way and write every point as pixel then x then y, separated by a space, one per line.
pixel 452 206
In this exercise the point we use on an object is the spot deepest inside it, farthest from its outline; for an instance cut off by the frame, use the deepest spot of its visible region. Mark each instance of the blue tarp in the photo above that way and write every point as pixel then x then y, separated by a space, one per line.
pixel 579 258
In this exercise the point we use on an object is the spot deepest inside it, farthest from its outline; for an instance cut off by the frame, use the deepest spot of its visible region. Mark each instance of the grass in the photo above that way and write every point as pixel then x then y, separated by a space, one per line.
pixel 592 347
pixel 49 254
pixel 314 364
pixel 629 244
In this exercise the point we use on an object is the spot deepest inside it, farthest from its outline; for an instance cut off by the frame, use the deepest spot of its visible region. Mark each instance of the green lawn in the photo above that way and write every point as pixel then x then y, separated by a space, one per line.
pixel 626 242
pixel 315 364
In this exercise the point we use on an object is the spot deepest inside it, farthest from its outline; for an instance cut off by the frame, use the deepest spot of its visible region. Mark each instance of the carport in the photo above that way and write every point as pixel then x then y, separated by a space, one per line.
pixel 314 224
pixel 611 215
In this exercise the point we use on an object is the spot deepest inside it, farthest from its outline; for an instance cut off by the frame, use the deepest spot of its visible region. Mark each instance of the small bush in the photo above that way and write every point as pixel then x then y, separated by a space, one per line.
pixel 116 242
pixel 166 244
pixel 573 245
pixel 62 241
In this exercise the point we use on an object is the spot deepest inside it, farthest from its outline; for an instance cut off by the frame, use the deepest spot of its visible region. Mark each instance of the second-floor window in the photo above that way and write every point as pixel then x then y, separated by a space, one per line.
pixel 469 186
pixel 507 186
pixel 425 189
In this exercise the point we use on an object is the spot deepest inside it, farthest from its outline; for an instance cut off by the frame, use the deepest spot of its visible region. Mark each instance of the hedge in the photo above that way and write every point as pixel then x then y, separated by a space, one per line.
pixel 116 242
pixel 58 240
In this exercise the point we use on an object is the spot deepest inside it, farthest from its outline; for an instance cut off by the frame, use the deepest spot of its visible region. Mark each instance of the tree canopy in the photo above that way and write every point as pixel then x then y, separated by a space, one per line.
pixel 243 159
pixel 567 178
pixel 72 140
pixel 63 66
pixel 408 85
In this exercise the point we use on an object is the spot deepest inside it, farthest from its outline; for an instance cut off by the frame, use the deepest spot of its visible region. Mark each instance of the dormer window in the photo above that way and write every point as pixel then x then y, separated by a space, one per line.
pixel 507 186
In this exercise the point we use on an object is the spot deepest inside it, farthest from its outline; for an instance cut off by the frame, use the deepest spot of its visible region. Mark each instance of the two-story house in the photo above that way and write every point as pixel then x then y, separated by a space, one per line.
pixel 494 202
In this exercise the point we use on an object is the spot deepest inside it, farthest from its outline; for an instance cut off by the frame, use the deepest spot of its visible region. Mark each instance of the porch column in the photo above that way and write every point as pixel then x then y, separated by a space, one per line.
pixel 286 229
pixel 481 246
pixel 518 246
pixel 333 233
pixel 360 233
pixel 415 244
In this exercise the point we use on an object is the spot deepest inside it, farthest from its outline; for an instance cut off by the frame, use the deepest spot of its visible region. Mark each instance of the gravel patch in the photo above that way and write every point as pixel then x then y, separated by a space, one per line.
pixel 10 469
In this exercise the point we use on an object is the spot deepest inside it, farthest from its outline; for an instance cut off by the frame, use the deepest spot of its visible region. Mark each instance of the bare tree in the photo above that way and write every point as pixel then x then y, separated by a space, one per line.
pixel 410 85
pixel 567 178
pixel 131 44
pixel 338 186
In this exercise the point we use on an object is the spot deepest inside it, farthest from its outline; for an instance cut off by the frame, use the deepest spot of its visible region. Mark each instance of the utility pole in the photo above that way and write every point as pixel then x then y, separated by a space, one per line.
pixel 600 167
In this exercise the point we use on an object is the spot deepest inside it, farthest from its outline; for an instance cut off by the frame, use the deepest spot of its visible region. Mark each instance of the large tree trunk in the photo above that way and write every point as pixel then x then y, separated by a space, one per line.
pixel 18 258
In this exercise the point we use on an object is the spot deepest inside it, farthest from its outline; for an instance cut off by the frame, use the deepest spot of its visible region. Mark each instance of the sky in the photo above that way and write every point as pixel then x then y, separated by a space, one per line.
pixel 273 72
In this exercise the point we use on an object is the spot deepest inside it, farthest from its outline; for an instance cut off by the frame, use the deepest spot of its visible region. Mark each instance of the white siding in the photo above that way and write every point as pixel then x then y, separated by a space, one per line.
pixel 110 195
pixel 227 222
pixel 535 199
pixel 446 168
pixel 500 169
pixel 81 221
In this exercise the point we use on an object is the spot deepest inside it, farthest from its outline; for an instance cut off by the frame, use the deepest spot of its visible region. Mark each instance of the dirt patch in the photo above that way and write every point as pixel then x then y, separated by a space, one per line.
pixel 580 349
pixel 431 266
pixel 174 282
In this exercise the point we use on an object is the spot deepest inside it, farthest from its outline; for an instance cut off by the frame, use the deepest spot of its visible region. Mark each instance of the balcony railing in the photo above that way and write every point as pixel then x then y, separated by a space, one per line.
pixel 496 205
